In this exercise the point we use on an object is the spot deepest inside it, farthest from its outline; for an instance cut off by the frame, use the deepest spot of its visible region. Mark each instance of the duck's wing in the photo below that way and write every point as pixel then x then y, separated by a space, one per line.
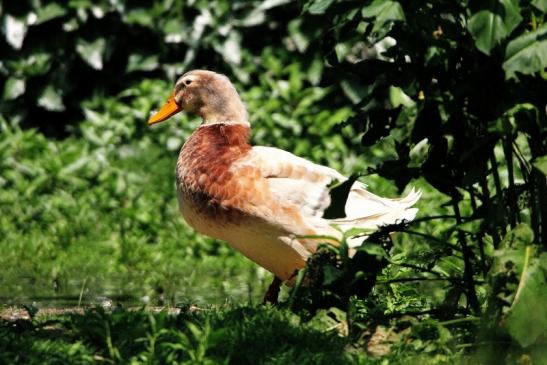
pixel 302 187
pixel 292 181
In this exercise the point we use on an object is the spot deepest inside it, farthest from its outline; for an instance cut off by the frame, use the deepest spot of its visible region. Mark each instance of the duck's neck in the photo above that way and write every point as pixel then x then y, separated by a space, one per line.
pixel 227 122
pixel 225 133
pixel 224 107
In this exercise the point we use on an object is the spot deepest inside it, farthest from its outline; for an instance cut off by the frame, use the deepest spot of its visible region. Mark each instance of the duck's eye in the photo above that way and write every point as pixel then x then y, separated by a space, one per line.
pixel 187 82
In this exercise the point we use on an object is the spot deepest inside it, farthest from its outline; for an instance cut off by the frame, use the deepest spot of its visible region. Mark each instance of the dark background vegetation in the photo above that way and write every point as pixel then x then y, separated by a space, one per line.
pixel 446 96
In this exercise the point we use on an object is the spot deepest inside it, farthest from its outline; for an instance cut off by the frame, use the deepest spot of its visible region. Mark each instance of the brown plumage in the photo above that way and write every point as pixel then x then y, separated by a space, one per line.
pixel 206 183
pixel 261 200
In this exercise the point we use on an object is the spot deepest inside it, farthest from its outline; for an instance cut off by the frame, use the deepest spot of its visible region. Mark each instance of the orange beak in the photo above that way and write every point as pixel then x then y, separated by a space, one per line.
pixel 168 110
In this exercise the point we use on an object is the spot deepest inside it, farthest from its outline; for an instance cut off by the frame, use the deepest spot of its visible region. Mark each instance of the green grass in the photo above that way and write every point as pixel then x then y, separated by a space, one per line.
pixel 96 215
pixel 218 335
pixel 237 335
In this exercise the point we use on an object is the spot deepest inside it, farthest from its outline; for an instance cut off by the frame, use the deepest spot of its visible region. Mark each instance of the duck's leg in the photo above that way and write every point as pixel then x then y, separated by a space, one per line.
pixel 272 294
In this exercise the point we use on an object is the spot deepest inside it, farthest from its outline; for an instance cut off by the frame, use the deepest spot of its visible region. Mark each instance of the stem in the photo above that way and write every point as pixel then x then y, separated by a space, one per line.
pixel 468 268
pixel 435 239
pixel 460 320
pixel 472 199
pixel 485 190
pixel 480 235
pixel 487 201
pixel 533 187
pixel 82 292
pixel 404 280
pixel 524 165
pixel 494 169
pixel 527 253
pixel 416 267
pixel 484 265
pixel 539 187
pixel 432 217
pixel 511 192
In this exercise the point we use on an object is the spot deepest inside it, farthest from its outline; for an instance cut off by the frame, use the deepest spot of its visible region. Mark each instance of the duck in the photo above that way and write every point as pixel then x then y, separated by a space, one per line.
pixel 265 202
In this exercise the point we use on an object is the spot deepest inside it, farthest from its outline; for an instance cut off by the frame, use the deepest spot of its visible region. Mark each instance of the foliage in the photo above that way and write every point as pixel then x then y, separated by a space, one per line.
pixel 455 92
pixel 443 95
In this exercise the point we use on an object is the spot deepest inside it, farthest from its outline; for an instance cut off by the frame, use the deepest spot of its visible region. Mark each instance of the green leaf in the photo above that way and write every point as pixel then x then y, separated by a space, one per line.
pixel 355 91
pixel 519 237
pixel 92 52
pixel 373 249
pixel 355 231
pixel 315 71
pixel 384 12
pixel 527 54
pixel 397 97
pixel 510 254
pixel 51 100
pixel 338 197
pixel 140 62
pixel 319 6
pixel 231 48
pixel 419 153
pixel 327 319
pixel 49 12
pixel 15 30
pixel 540 4
pixel 342 50
pixel 330 274
pixel 139 16
pixel 13 88
pixel 541 164
pixel 493 24
pixel 300 39
pixel 527 318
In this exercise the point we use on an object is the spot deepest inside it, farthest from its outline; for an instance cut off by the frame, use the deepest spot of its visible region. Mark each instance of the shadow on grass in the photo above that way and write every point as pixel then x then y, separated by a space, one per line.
pixel 243 335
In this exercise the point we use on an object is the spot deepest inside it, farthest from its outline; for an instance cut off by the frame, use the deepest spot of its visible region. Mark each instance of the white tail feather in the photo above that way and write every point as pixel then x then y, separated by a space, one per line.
pixel 366 210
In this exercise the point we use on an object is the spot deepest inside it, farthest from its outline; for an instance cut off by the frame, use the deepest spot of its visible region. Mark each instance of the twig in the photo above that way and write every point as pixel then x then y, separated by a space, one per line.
pixel 404 280
pixel 81 292
pixel 514 216
pixel 415 267
pixel 460 320
pixel 451 245
pixel 468 269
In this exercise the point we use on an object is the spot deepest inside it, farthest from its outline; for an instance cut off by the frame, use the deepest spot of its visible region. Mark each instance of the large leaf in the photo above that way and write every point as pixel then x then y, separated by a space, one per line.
pixel 51 100
pixel 541 164
pixel 300 39
pixel 355 91
pixel 319 6
pixel 540 4
pixel 92 52
pixel 231 48
pixel 384 12
pixel 397 97
pixel 527 319
pixel 527 54
pixel 141 62
pixel 15 30
pixel 511 251
pixel 49 12
pixel 519 237
pixel 13 88
pixel 494 23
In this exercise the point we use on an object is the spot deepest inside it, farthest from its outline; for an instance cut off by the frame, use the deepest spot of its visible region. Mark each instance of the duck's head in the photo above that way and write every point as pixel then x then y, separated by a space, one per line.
pixel 207 94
